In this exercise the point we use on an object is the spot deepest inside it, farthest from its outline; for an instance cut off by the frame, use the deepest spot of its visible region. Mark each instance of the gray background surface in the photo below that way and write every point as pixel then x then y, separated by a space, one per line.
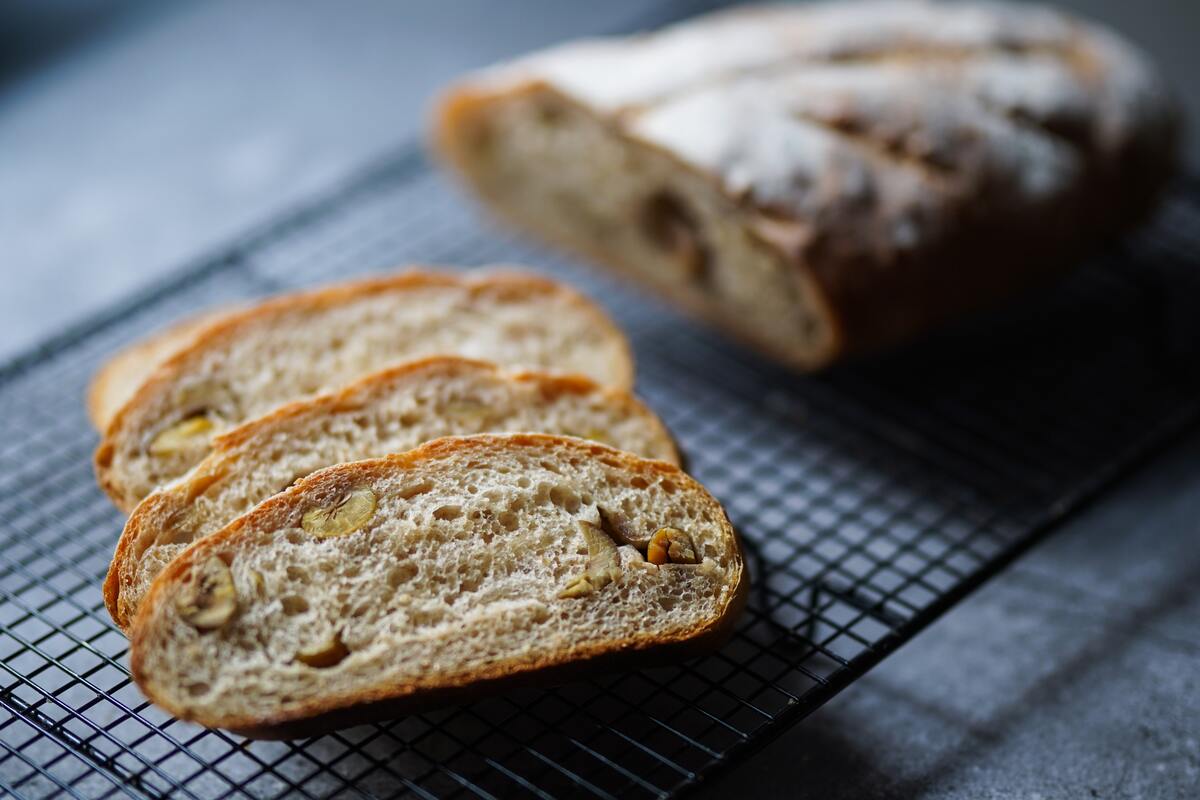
pixel 134 136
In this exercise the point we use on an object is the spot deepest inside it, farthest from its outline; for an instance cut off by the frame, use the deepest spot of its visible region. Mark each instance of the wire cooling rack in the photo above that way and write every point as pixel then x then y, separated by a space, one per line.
pixel 871 499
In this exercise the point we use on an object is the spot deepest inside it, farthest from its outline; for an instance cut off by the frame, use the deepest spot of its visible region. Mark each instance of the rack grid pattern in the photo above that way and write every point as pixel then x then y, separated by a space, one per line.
pixel 871 499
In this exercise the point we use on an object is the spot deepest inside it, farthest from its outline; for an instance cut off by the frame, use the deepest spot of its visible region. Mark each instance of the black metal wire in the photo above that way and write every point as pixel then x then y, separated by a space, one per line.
pixel 871 499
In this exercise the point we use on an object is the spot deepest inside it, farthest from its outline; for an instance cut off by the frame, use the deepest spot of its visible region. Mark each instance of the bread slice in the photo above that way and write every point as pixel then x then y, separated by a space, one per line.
pixel 116 381
pixel 387 412
pixel 828 178
pixel 247 363
pixel 433 575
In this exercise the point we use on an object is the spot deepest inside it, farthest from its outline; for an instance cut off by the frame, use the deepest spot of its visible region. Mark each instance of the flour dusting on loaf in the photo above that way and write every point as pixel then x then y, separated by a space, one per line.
pixel 825 178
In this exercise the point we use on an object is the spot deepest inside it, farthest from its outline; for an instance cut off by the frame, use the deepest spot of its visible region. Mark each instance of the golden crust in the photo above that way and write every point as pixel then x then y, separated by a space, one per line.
pixel 156 510
pixel 365 704
pixel 497 280
pixel 118 378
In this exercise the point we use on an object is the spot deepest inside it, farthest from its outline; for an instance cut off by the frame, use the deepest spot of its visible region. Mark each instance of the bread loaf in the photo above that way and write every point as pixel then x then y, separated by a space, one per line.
pixel 428 577
pixel 825 179
pixel 246 363
pixel 386 412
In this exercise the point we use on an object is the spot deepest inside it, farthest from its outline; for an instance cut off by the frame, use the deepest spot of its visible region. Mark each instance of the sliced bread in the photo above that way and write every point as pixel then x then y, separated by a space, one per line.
pixel 116 381
pixel 386 586
pixel 249 362
pixel 386 412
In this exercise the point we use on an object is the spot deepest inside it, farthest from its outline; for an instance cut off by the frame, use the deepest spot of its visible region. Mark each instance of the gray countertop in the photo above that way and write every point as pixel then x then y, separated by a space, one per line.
pixel 159 131
pixel 1076 673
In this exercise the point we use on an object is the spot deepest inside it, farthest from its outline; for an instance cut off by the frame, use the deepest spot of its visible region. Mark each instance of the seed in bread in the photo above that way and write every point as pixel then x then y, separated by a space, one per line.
pixel 386 412
pixel 824 179
pixel 460 583
pixel 248 362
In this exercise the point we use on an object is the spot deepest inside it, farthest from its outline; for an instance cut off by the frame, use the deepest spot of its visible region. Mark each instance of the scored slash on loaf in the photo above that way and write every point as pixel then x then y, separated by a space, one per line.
pixel 386 412
pixel 471 563
pixel 824 179
pixel 245 363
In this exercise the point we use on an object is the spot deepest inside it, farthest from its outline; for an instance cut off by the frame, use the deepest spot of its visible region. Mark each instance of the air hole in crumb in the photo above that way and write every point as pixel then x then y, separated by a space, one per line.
pixel 294 604
pixel 297 574
pixel 564 498
pixel 669 225
pixel 447 512
pixel 197 689
pixel 638 482
pixel 412 491
pixel 507 520
pixel 401 574
pixel 524 482
pixel 667 602
pixel 668 486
